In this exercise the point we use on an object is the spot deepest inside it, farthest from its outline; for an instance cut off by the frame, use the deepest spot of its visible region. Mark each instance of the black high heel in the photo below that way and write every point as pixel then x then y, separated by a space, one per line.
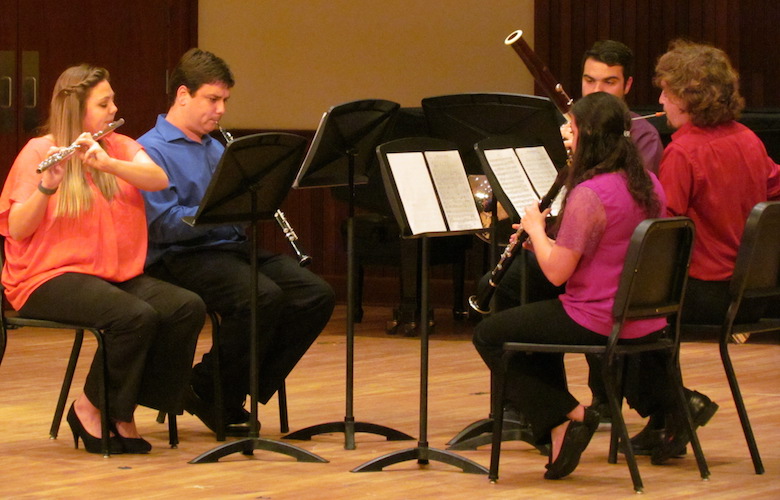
pixel 138 446
pixel 91 443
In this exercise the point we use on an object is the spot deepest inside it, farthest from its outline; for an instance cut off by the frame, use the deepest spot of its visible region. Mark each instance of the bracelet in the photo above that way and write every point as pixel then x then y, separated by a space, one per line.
pixel 46 191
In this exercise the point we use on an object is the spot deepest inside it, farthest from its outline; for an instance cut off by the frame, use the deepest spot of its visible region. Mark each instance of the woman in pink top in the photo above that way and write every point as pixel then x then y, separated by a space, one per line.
pixel 608 194
pixel 75 245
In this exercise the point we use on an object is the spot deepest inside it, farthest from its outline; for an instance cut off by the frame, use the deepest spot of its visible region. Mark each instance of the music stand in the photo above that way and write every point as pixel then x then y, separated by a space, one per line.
pixel 467 119
pixel 340 153
pixel 251 180
pixel 422 452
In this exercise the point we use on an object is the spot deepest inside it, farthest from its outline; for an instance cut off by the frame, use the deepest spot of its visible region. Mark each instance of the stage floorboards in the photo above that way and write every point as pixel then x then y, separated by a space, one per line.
pixel 386 386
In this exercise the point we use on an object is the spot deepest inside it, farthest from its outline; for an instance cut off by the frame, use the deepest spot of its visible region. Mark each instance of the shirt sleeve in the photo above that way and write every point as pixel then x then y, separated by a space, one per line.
pixel 584 221
pixel 676 176
pixel 773 182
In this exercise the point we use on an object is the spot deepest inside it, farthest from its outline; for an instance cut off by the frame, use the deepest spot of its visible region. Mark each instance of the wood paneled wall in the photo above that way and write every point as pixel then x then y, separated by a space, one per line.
pixel 745 29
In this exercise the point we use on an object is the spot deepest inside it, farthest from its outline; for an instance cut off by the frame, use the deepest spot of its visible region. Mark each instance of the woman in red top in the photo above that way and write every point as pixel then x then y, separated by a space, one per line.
pixel 75 245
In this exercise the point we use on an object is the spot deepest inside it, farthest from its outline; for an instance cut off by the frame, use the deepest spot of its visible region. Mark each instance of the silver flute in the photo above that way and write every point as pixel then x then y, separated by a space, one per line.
pixel 65 153
pixel 303 259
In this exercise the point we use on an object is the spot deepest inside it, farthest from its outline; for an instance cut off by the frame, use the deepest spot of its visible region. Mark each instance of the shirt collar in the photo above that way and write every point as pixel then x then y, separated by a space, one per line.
pixel 172 133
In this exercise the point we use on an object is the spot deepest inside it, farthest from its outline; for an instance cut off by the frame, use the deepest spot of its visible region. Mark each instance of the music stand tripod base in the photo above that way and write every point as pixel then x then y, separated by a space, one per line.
pixel 423 454
pixel 247 446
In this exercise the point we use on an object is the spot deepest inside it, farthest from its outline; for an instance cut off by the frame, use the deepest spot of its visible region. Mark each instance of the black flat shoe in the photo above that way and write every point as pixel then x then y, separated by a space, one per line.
pixel 576 439
pixel 91 443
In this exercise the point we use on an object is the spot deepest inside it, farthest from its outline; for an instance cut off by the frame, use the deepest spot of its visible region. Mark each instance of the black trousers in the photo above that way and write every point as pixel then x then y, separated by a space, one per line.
pixel 151 331
pixel 294 305
pixel 706 302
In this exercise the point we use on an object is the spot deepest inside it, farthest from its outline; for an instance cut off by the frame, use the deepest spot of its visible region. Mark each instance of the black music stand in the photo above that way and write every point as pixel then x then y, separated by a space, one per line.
pixel 340 153
pixel 422 452
pixel 466 119
pixel 253 177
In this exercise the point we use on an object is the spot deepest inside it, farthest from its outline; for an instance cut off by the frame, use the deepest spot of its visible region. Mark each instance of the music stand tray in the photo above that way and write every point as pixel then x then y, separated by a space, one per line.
pixel 340 154
pixel 251 180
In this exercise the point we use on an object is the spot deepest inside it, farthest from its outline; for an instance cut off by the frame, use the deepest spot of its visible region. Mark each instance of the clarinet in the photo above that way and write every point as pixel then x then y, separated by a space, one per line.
pixel 481 302
pixel 563 102
pixel 65 153
pixel 289 233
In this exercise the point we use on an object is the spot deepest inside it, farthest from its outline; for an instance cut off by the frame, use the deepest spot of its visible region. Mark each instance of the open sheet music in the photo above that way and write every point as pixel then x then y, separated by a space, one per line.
pixel 523 175
pixel 433 191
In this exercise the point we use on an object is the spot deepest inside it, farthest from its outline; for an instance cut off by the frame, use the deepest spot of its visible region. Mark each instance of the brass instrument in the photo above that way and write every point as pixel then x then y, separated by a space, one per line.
pixel 563 102
pixel 303 259
pixel 65 153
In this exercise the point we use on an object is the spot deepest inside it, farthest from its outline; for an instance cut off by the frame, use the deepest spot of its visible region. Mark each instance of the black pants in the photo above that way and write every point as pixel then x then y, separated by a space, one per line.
pixel 706 302
pixel 151 330
pixel 294 305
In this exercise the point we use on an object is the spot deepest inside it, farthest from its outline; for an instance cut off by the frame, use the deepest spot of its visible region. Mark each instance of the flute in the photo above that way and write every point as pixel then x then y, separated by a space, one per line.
pixel 65 153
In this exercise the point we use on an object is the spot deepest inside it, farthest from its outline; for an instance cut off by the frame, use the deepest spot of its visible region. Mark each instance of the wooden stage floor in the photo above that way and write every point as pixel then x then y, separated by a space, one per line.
pixel 387 393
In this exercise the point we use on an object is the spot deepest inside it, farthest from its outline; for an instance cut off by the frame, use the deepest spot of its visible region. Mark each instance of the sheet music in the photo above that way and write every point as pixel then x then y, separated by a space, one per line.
pixel 513 181
pixel 452 186
pixel 539 167
pixel 416 191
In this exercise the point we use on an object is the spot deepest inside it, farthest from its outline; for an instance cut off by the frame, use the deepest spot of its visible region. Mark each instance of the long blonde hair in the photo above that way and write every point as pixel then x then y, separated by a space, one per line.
pixel 68 109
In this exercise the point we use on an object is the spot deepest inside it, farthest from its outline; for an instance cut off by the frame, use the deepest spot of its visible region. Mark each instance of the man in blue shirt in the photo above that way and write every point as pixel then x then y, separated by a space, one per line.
pixel 294 305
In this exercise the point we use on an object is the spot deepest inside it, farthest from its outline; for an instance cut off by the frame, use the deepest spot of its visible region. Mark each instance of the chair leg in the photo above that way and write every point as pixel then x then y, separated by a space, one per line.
pixel 281 394
pixel 216 380
pixel 498 417
pixel 675 377
pixel 66 383
pixel 611 377
pixel 173 431
pixel 104 383
pixel 736 394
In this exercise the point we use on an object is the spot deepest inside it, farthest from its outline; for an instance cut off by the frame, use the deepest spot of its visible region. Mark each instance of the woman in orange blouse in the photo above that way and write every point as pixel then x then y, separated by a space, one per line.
pixel 75 245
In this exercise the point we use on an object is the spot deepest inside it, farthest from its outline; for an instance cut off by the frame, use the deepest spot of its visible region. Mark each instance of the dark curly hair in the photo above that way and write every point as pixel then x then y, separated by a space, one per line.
pixel 604 145
pixel 702 77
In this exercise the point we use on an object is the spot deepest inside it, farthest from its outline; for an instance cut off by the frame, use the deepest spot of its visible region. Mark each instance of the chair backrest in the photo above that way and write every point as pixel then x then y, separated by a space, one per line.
pixel 757 269
pixel 655 271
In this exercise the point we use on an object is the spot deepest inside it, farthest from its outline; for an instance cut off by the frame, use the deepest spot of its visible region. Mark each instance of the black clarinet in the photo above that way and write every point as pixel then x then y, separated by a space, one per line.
pixel 289 233
pixel 481 302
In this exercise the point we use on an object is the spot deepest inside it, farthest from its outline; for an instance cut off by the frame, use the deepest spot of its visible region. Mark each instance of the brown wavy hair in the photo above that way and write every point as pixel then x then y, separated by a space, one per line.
pixel 702 77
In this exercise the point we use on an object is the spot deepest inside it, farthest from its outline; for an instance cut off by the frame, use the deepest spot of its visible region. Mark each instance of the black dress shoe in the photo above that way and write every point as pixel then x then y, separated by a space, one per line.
pixel 576 439
pixel 236 422
pixel 701 407
pixel 674 441
pixel 194 405
pixel 602 408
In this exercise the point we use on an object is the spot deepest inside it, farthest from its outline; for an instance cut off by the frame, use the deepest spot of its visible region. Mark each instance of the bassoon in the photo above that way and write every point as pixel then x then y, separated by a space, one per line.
pixel 561 100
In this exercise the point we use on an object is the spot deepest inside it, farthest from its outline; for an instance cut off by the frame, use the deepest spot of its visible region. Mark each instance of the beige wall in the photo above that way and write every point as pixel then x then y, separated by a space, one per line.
pixel 294 59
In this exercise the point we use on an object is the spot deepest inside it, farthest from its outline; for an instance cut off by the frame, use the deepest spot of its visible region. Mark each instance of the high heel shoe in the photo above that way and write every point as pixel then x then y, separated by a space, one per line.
pixel 91 443
pixel 575 440
pixel 138 446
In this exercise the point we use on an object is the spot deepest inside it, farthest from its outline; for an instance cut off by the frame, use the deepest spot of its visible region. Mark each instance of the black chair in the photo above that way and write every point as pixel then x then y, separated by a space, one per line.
pixel 756 277
pixel 284 425
pixel 651 285
pixel 11 320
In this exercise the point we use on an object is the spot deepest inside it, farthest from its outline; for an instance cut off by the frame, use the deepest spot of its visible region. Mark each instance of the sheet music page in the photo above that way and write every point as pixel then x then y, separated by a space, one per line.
pixel 539 167
pixel 416 191
pixel 452 186
pixel 511 178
